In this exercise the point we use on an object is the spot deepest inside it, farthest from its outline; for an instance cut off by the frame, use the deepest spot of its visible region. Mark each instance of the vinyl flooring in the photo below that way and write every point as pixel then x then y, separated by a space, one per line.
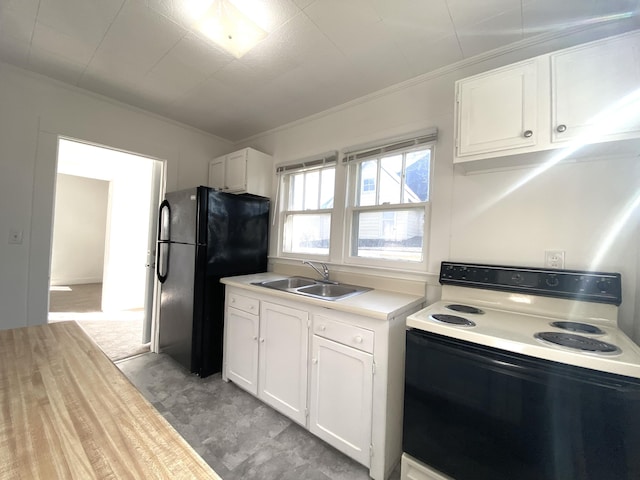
pixel 118 334
pixel 235 433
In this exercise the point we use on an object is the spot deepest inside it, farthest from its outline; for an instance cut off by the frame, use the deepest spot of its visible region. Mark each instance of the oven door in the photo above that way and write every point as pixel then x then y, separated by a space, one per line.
pixel 475 412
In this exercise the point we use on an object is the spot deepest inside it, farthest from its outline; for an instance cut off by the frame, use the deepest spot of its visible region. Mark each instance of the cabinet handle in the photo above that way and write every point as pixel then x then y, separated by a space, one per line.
pixel 315 360
pixel 255 338
pixel 358 339
pixel 233 300
pixel 561 128
pixel 528 133
pixel 262 340
pixel 251 307
pixel 322 328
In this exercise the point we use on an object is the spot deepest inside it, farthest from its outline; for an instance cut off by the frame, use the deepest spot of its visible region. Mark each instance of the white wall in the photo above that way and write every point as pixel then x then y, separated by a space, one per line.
pixel 571 207
pixel 79 230
pixel 34 111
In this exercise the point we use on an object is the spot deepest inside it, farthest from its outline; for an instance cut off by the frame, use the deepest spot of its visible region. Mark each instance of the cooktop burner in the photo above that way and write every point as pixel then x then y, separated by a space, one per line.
pixel 464 308
pixel 453 320
pixel 578 327
pixel 577 342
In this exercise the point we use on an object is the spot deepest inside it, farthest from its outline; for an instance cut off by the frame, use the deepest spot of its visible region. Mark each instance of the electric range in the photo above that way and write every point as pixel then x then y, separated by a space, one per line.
pixel 521 373
pixel 565 316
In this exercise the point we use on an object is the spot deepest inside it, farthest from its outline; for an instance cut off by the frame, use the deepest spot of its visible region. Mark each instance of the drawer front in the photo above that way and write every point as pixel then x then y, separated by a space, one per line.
pixel 246 304
pixel 355 337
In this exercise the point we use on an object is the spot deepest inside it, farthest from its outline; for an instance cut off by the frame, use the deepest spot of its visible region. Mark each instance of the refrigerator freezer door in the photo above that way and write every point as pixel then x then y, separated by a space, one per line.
pixel 237 234
pixel 183 216
pixel 177 304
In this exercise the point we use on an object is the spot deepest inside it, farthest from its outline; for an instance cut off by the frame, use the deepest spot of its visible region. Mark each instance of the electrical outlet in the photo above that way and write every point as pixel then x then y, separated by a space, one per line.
pixel 554 258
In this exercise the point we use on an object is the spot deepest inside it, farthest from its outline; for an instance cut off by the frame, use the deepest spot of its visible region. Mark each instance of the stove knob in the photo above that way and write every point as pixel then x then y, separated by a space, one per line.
pixel 517 278
pixel 603 285
pixel 552 281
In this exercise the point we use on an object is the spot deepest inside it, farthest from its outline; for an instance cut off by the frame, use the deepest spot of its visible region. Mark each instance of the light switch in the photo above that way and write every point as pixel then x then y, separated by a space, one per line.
pixel 15 236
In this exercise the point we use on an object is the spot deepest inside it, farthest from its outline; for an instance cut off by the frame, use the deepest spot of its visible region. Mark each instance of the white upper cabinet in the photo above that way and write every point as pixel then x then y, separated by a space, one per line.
pixel 244 171
pixel 542 103
pixel 498 110
pixel 591 89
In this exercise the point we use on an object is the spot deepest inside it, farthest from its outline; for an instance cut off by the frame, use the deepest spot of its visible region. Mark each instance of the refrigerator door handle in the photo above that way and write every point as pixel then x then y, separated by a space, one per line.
pixel 164 222
pixel 162 262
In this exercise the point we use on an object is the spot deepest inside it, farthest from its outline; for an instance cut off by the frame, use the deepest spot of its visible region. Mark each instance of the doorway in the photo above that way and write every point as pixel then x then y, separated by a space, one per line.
pixel 103 249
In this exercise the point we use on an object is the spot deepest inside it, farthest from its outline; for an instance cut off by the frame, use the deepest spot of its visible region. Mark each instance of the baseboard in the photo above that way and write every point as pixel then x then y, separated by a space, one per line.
pixel 74 281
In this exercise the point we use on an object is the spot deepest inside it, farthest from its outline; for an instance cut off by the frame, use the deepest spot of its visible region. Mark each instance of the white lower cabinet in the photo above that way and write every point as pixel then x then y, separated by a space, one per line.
pixel 341 397
pixel 283 359
pixel 343 380
pixel 241 345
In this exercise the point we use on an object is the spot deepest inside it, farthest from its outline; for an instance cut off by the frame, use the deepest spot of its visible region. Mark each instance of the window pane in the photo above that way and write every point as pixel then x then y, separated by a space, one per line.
pixel 327 184
pixel 307 233
pixel 417 176
pixel 390 235
pixel 296 196
pixel 311 190
pixel 368 172
pixel 390 179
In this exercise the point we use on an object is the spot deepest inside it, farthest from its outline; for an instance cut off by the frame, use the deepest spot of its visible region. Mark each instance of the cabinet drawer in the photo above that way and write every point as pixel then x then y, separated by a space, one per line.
pixel 356 337
pixel 246 304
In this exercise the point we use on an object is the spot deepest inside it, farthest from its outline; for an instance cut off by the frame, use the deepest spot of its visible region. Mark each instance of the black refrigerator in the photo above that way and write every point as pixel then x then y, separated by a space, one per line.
pixel 204 235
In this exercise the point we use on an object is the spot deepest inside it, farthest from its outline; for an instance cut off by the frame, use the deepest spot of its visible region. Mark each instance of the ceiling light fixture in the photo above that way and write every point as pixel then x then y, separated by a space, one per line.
pixel 222 22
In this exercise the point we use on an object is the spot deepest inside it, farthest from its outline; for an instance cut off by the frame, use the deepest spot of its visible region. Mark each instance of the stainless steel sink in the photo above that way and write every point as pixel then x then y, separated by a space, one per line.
pixel 288 283
pixel 313 288
pixel 328 291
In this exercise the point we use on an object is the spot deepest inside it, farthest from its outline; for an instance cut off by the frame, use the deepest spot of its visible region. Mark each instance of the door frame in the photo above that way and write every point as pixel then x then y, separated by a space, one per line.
pixel 158 188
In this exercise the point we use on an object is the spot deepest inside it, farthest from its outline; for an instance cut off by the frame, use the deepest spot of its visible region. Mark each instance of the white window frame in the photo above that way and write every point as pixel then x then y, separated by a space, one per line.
pixel 285 173
pixel 353 160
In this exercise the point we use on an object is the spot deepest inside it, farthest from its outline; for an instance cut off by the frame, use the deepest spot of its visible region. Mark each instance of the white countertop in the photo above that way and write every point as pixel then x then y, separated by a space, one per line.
pixel 376 303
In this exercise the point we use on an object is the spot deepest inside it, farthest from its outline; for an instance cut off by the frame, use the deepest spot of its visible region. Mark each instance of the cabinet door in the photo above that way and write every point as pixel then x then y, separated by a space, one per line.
pixel 241 331
pixel 498 110
pixel 284 346
pixel 591 80
pixel 236 171
pixel 216 173
pixel 341 397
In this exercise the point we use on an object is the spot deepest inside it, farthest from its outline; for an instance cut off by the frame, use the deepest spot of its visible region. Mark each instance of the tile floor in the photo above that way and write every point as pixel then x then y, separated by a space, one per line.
pixel 235 433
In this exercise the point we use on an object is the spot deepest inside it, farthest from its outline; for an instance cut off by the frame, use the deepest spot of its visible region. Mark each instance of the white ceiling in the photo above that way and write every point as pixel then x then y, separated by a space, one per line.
pixel 318 54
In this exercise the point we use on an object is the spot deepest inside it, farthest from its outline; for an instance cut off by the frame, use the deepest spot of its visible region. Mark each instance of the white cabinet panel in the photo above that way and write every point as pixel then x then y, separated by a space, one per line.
pixel 341 397
pixel 539 104
pixel 283 359
pixel 588 82
pixel 216 173
pixel 236 173
pixel 244 171
pixel 498 110
pixel 344 333
pixel 241 349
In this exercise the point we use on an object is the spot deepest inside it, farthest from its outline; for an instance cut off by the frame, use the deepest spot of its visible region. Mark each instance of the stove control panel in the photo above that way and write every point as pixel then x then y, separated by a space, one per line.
pixel 572 284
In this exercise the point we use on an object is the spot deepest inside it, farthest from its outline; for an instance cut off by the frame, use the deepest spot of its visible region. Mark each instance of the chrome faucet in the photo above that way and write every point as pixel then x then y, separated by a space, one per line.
pixel 324 273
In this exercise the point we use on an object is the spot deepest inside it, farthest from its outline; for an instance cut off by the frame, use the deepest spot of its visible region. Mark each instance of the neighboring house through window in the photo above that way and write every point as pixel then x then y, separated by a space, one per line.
pixel 386 191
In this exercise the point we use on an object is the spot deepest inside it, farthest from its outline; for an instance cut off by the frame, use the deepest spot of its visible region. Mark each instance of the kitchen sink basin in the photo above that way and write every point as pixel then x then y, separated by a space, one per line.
pixel 288 283
pixel 328 291
pixel 313 288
